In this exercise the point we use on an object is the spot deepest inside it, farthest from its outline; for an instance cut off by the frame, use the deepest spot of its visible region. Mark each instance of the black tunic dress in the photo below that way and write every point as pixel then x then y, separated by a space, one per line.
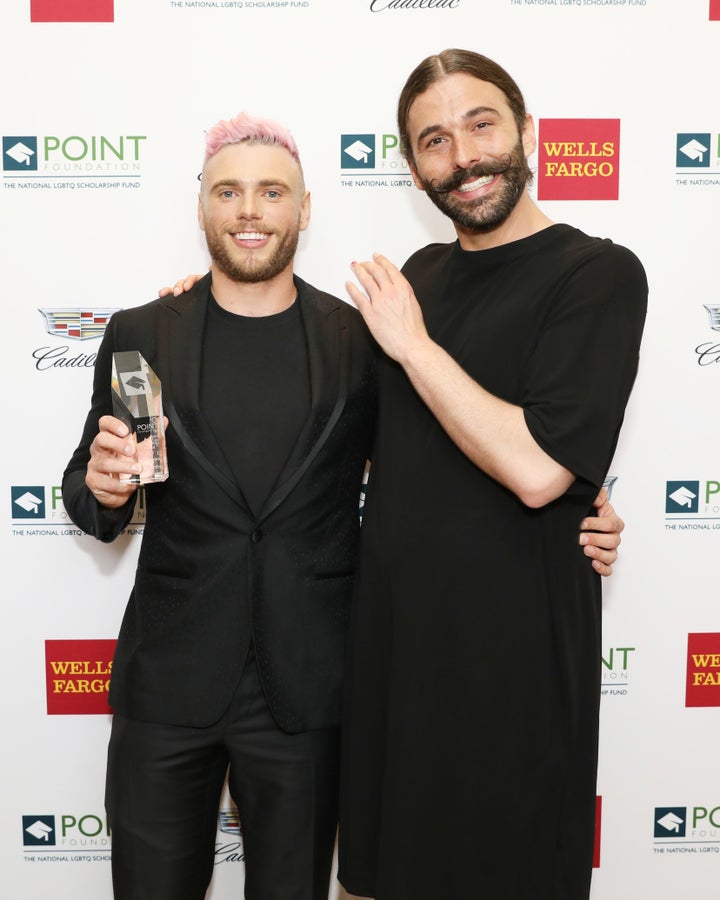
pixel 470 736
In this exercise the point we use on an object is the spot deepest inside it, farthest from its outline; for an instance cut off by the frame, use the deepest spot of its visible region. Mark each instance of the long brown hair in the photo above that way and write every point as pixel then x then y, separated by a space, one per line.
pixel 439 66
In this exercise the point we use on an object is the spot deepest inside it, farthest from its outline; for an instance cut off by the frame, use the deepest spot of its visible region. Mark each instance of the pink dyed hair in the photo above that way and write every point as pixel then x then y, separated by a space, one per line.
pixel 243 128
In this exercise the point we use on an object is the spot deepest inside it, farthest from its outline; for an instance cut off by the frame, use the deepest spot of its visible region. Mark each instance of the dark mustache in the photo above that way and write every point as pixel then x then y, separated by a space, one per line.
pixel 454 181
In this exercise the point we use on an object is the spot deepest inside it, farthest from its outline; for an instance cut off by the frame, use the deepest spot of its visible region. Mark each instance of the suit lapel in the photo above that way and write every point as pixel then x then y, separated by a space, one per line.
pixel 327 356
pixel 180 330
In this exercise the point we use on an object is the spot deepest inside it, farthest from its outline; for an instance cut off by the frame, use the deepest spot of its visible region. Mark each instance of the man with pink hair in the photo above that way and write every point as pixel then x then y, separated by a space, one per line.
pixel 231 651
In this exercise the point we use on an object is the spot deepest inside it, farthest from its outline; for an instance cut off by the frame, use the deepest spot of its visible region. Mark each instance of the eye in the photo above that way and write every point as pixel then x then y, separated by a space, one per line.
pixel 227 194
pixel 272 194
pixel 435 141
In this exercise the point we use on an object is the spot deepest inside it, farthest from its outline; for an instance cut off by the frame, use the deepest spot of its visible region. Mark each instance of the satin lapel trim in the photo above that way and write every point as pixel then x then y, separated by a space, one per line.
pixel 180 328
pixel 327 354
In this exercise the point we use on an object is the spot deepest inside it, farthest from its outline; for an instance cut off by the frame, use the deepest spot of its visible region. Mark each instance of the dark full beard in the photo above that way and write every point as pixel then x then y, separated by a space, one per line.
pixel 246 270
pixel 484 213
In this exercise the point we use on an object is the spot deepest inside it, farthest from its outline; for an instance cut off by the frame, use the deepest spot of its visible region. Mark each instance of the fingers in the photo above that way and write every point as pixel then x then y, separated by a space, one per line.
pixel 370 275
pixel 608 526
pixel 372 279
pixel 390 270
pixel 600 535
pixel 358 297
pixel 378 271
pixel 602 550
pixel 607 519
pixel 113 453
pixel 602 568
pixel 180 286
pixel 601 499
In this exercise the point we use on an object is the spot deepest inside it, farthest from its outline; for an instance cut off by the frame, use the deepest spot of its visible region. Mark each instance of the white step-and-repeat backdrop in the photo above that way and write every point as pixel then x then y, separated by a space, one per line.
pixel 103 110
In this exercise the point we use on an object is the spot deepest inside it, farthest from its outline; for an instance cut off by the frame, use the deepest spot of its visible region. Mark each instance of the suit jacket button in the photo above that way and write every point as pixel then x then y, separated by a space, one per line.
pixel 256 536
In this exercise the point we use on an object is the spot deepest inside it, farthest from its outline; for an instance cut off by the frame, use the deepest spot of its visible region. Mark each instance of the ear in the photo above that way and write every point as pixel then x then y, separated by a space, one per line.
pixel 529 141
pixel 200 213
pixel 305 211
pixel 415 177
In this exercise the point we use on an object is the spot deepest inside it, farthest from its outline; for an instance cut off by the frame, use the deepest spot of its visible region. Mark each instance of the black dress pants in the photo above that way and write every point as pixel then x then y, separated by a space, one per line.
pixel 164 784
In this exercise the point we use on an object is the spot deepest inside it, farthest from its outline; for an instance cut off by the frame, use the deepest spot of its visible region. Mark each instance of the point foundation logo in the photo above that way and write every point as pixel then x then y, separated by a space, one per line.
pixel 357 151
pixel 670 821
pixel 74 161
pixel 692 505
pixel 697 158
pixel 77 674
pixel 372 154
pixel 19 153
pixel 703 670
pixel 579 159
pixel 38 831
pixel 71 10
pixel 616 671
pixel 687 829
pixel 27 502
pixel 67 837
pixel 38 510
pixel 693 150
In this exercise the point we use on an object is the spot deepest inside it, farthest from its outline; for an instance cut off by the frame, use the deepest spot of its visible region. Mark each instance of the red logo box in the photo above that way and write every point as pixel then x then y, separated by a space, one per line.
pixel 598 829
pixel 77 675
pixel 703 670
pixel 579 159
pixel 72 10
pixel 715 10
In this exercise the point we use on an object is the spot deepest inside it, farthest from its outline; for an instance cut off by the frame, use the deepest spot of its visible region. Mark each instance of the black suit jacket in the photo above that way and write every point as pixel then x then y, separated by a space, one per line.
pixel 211 576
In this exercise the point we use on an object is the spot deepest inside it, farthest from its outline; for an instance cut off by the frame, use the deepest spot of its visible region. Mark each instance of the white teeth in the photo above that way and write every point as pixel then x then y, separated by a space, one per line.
pixel 474 185
pixel 249 235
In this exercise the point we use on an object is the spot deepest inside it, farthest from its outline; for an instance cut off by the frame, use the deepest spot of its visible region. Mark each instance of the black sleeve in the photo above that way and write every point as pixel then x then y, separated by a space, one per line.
pixel 80 504
pixel 583 367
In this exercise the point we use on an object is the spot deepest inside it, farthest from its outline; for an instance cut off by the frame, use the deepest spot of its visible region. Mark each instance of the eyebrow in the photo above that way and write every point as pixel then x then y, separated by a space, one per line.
pixel 470 114
pixel 262 183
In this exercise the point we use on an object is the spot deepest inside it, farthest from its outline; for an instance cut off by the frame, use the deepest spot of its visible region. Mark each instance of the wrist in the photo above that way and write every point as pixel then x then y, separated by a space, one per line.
pixel 418 353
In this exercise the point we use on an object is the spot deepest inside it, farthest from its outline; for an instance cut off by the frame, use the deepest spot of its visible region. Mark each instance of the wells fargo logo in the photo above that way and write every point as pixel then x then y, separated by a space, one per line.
pixel 703 670
pixel 598 830
pixel 715 10
pixel 77 674
pixel 579 159
pixel 71 10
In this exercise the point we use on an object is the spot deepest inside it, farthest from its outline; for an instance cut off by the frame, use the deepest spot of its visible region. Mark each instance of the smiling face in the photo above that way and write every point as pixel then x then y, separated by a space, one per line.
pixel 467 154
pixel 252 207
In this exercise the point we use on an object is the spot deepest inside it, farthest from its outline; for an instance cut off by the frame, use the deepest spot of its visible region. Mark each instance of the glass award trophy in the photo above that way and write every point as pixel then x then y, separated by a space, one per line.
pixel 137 401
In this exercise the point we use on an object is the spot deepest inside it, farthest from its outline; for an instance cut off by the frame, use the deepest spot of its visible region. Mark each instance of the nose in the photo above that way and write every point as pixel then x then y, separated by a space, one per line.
pixel 466 151
pixel 247 206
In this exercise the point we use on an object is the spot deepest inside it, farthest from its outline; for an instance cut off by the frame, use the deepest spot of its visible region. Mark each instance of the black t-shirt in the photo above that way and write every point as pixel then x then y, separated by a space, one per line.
pixel 475 655
pixel 255 392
